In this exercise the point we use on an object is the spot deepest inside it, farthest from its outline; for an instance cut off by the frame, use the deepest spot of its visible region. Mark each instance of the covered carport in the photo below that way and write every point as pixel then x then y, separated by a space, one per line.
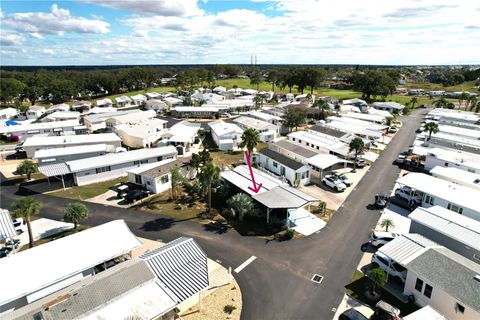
pixel 57 170
pixel 322 163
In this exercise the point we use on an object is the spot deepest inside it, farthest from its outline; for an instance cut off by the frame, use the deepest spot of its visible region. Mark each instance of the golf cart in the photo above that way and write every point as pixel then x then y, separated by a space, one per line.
pixel 381 201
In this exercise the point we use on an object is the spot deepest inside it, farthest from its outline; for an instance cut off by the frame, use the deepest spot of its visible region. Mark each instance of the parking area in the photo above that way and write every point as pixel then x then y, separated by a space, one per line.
pixel 109 198
pixel 332 198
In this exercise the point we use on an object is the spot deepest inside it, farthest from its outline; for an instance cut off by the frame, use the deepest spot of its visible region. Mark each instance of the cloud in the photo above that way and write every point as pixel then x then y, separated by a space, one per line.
pixel 10 38
pixel 153 7
pixel 58 21
pixel 472 27
pixel 410 12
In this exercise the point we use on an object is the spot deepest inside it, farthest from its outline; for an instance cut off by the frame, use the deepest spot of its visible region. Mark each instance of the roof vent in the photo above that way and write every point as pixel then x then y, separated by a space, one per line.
pixel 477 278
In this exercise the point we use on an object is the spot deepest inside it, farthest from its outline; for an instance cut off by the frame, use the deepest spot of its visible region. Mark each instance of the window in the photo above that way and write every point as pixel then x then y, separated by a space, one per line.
pixel 429 199
pixel 446 164
pixel 428 291
pixel 454 208
pixel 104 169
pixel 136 162
pixel 138 179
pixel 476 257
pixel 164 179
pixel 159 158
pixel 293 139
pixel 419 285
pixel 459 308
pixel 275 165
pixel 299 141
pixel 308 144
pixel 318 148
pixel 143 161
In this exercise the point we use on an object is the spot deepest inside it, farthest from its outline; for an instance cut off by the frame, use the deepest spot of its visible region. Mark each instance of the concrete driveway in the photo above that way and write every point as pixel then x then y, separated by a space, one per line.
pixel 43 228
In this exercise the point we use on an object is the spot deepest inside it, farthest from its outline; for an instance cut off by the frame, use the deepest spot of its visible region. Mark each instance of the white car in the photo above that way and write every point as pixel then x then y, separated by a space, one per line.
pixel 20 225
pixel 380 238
pixel 390 266
pixel 408 194
pixel 343 178
pixel 334 183
pixel 392 130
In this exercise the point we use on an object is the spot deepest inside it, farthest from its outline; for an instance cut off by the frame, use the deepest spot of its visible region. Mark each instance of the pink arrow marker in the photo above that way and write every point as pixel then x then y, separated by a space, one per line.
pixel 256 187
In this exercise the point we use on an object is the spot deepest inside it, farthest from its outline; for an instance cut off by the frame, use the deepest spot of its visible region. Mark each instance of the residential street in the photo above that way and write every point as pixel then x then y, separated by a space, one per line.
pixel 276 285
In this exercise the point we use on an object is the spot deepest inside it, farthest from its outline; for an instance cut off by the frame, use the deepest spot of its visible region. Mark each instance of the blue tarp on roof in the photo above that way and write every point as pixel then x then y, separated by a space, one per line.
pixel 10 123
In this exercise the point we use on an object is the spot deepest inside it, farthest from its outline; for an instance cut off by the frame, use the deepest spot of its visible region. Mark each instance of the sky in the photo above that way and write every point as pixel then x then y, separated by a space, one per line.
pixel 109 32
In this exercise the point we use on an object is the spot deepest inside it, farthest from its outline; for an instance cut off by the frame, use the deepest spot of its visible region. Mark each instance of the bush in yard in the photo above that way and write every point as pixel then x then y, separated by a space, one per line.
pixel 229 308
pixel 27 167
pixel 377 277
pixel 289 234
pixel 241 204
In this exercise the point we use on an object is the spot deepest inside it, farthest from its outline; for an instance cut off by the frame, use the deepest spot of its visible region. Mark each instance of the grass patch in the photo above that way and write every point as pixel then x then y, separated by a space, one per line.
pixel 358 288
pixel 184 208
pixel 132 93
pixel 55 236
pixel 88 191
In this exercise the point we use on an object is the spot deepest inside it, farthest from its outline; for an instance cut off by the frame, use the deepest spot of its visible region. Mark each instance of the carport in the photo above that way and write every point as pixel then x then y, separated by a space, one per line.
pixel 56 170
pixel 323 161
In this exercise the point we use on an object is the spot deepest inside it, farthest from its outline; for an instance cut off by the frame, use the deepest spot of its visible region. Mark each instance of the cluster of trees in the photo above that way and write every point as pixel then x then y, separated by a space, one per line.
pixel 373 83
pixel 28 207
pixel 449 78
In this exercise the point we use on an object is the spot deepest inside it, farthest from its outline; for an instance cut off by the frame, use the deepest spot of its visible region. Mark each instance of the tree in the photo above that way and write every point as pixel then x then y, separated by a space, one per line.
pixel 387 223
pixel 358 146
pixel 27 167
pixel 413 102
pixel 74 213
pixel 324 108
pixel 373 83
pixel 176 178
pixel 378 278
pixel 463 97
pixel 209 175
pixel 440 103
pixel 199 160
pixel 240 204
pixel 256 78
pixel 274 100
pixel 431 127
pixel 258 100
pixel 250 139
pixel 472 101
pixel 273 78
pixel 10 89
pixel 294 117
pixel 26 207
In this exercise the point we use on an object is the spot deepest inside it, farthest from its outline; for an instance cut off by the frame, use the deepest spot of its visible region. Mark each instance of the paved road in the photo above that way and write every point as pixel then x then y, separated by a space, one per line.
pixel 277 284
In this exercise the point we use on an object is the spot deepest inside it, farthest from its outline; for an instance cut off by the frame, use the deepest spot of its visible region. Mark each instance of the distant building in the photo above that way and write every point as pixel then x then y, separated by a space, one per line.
pixel 226 135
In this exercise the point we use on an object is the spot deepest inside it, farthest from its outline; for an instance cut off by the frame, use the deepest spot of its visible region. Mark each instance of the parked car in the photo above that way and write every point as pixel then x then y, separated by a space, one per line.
pixel 392 129
pixel 20 225
pixel 136 195
pixel 373 144
pixel 357 313
pixel 419 130
pixel 400 159
pixel 122 191
pixel 408 194
pixel 360 163
pixel 390 266
pixel 381 200
pixel 380 238
pixel 343 178
pixel 386 311
pixel 334 183
pixel 4 252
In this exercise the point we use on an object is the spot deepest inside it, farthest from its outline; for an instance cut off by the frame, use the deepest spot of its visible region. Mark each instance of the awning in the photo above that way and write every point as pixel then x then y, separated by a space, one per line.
pixel 324 161
pixel 52 170
pixel 7 229
pixel 283 197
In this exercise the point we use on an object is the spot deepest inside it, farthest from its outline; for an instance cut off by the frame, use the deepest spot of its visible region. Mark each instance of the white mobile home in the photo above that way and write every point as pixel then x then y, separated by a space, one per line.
pixel 319 144
pixel 142 134
pixel 434 191
pixel 97 120
pixel 132 117
pixel 139 99
pixel 61 116
pixel 392 107
pixel 8 113
pixel 268 132
pixel 24 131
pixel 459 176
pixel 33 144
pixel 296 173
pixel 375 118
pixel 452 158
pixel 292 150
pixel 59 155
pixel 226 135
pixel 446 281
pixel 155 104
pixel 104 103
pixel 184 136
pixel 35 112
pixel 155 177
pixel 195 112
pixel 123 101
pixel 452 141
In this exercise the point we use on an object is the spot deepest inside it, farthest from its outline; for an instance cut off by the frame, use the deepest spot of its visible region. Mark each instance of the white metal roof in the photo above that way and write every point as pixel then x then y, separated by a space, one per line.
pixel 153 94
pixel 139 97
pixel 388 104
pixel 65 114
pixel 456 156
pixel 132 116
pixel 449 223
pixel 240 177
pixel 407 247
pixel 102 102
pixel 263 116
pixel 142 129
pixel 473 134
pixel 221 128
pixel 325 160
pixel 183 131
pixel 39 126
pixel 425 313
pixel 455 139
pixel 55 152
pixel 195 109
pixel 60 259
pixel 123 99
pixel 462 177
pixel 73 139
pixel 149 166
pixel 365 116
pixel 362 123
pixel 255 123
pixel 449 191
pixel 455 114
pixel 53 170
pixel 352 128
pixel 7 229
pixel 118 158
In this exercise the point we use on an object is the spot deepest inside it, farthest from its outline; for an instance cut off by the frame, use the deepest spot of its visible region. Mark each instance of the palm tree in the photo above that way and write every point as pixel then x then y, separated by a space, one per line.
pixel 258 100
pixel 463 97
pixel 209 175
pixel 358 146
pixel 431 127
pixel 387 223
pixel 413 102
pixel 176 179
pixel 250 139
pixel 26 207
pixel 28 168
pixel 241 204
pixel 74 212
pixel 274 100
pixel 472 100
pixel 440 103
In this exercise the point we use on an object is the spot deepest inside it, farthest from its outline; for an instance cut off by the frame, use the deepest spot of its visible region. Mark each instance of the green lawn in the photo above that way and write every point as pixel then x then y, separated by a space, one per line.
pixel 88 191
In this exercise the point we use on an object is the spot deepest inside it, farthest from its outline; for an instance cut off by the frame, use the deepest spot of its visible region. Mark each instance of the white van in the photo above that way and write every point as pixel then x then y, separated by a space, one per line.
pixel 408 194
pixel 388 265
pixel 20 225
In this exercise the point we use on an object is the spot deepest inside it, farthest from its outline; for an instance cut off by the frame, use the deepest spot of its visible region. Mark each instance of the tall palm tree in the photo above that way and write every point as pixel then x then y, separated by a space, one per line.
pixel 26 207
pixel 274 100
pixel 441 103
pixel 387 223
pixel 413 102
pixel 176 179
pixel 463 97
pixel 431 127
pixel 250 139
pixel 472 100
pixel 358 146
pixel 27 167
pixel 74 213
pixel 258 100
pixel 209 175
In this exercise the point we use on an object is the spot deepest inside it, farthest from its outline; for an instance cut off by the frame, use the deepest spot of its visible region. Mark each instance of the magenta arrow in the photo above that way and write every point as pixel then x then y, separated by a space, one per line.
pixel 256 187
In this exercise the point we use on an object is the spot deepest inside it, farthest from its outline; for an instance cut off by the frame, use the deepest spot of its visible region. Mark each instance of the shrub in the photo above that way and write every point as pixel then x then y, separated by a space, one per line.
pixel 229 308
pixel 289 234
